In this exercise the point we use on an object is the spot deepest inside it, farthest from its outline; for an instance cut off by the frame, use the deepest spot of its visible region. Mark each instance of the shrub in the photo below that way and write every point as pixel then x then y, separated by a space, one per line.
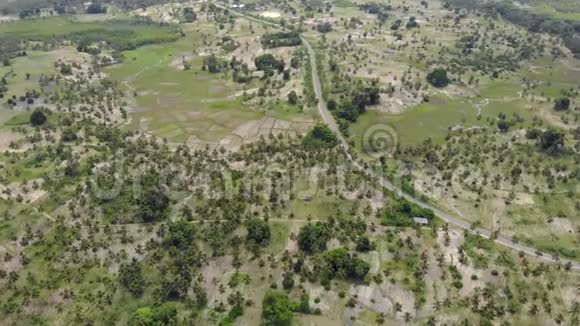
pixel 320 137
pixel 438 78
pixel 258 231
pixel 37 118
pixel 562 104
pixel 313 237
pixel 276 309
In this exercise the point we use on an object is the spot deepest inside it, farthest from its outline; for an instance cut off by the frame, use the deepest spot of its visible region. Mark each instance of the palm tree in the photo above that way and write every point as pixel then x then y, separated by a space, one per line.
pixel 380 318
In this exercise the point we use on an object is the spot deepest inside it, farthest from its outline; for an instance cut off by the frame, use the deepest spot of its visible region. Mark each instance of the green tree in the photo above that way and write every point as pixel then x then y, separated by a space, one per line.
pixel 37 118
pixel 258 231
pixel 179 234
pixel 313 237
pixel 163 315
pixel 189 15
pixel 438 78
pixel 276 309
pixel 320 137
pixel 264 61
pixel 292 98
pixel 153 206
pixel 130 276
pixel 562 104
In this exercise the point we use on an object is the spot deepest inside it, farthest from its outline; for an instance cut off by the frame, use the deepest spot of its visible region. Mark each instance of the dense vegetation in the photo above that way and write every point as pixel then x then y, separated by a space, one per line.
pixel 568 30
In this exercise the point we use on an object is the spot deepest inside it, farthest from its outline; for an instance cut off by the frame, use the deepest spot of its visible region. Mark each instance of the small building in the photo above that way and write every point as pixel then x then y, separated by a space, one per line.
pixel 421 220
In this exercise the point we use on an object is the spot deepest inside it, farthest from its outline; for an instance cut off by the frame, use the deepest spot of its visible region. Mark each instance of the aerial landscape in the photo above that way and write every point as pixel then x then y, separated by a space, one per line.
pixel 290 162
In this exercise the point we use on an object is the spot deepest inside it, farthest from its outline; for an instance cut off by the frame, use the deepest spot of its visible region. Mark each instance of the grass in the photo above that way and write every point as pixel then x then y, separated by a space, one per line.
pixel 344 3
pixel 177 103
pixel 66 26
pixel 19 119
pixel 279 237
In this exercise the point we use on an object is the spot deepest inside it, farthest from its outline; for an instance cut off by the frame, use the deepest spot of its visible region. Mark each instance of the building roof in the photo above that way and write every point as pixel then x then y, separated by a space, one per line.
pixel 420 220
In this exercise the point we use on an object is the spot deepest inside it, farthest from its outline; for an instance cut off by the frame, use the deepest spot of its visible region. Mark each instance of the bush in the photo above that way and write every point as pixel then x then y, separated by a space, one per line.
pixel 165 314
pixel 292 98
pixel 267 62
pixel 438 78
pixel 258 232
pixel 320 137
pixel 273 40
pixel 340 263
pixel 562 104
pixel 37 118
pixel 179 234
pixel 153 206
pixel 130 276
pixel 313 237
pixel 96 8
pixel 276 309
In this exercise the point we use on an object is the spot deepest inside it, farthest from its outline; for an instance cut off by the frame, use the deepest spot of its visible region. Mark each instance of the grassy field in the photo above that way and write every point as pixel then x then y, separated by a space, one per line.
pixel 433 120
pixel 54 27
pixel 36 63
pixel 183 105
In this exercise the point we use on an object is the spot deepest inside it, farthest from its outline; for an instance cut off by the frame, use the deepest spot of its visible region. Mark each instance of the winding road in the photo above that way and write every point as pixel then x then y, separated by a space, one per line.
pixel 451 219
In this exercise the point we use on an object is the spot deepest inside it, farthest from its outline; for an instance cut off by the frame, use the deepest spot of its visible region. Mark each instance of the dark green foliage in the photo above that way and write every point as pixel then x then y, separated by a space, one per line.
pixel 233 314
pixel 534 22
pixel 401 213
pixel 153 206
pixel 438 78
pixel 350 109
pixel 533 133
pixel 292 98
pixel 331 104
pixel 37 117
pixel 68 135
pixel 320 137
pixel 303 306
pixel 456 276
pixel 130 276
pixel 324 27
pixel 378 9
pixel 288 281
pixel 267 62
pixel 96 8
pixel 274 40
pixel 340 263
pixel 412 23
pixel 363 244
pixel 258 232
pixel 396 25
pixel 123 36
pixel 503 125
pixel 562 104
pixel 552 141
pixel 72 169
pixel 179 234
pixel 163 315
pixel 189 15
pixel 276 309
pixel 214 65
pixel 313 237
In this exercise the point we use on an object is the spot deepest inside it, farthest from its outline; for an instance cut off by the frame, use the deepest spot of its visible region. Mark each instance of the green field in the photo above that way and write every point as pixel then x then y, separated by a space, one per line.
pixel 59 27
pixel 179 104
pixel 433 120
